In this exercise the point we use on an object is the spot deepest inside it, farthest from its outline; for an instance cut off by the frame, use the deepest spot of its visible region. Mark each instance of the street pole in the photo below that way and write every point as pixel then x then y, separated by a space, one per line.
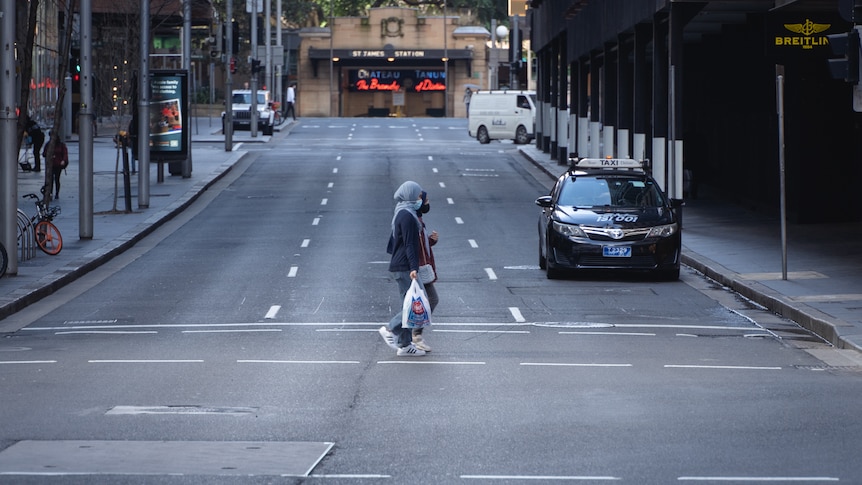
pixel 187 66
pixel 228 83
pixel 253 113
pixel 279 67
pixel 8 132
pixel 144 111
pixel 779 84
pixel 267 68
pixel 86 118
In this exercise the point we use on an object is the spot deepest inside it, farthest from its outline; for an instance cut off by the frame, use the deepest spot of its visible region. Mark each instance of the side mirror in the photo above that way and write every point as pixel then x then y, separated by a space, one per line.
pixel 544 201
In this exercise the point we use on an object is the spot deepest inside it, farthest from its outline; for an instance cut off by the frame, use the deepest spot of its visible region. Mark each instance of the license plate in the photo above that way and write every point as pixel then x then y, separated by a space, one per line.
pixel 616 251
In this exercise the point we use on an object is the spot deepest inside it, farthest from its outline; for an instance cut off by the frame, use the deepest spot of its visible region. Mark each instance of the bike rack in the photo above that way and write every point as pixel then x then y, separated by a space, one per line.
pixel 26 236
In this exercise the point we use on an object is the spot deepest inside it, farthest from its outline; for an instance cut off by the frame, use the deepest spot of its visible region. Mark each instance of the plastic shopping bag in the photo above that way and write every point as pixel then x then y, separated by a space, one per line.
pixel 416 312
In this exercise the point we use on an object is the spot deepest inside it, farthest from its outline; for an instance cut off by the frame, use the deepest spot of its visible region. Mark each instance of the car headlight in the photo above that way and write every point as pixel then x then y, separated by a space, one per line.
pixel 663 231
pixel 568 230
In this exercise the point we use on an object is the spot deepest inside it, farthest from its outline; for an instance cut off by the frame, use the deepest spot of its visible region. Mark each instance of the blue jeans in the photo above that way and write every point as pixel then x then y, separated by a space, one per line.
pixel 403 335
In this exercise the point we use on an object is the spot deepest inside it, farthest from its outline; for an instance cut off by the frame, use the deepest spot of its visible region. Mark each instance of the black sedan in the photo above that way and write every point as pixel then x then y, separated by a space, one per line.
pixel 609 214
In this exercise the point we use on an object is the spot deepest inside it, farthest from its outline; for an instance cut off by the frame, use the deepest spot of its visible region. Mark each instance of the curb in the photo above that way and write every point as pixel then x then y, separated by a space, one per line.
pixel 49 284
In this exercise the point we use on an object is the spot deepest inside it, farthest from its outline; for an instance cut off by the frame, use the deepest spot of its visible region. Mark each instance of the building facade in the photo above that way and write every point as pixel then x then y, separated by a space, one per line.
pixel 394 62
pixel 692 86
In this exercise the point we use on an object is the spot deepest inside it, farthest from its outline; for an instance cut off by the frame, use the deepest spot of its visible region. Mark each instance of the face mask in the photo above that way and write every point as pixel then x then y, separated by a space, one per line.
pixel 417 204
pixel 425 208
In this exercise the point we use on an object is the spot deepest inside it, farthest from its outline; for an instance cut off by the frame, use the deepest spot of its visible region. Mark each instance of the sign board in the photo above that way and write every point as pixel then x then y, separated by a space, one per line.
pixel 398 98
pixel 249 6
pixel 517 8
pixel 413 80
pixel 169 115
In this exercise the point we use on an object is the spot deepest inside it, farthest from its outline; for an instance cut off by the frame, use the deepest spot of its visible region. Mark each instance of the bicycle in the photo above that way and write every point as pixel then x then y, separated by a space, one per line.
pixel 48 237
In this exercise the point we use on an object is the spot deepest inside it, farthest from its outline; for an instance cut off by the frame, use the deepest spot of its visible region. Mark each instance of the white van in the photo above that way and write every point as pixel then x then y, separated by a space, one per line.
pixel 503 115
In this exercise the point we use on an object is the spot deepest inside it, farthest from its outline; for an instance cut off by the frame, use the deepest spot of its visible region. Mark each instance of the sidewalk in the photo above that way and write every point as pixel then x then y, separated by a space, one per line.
pixel 114 231
pixel 741 250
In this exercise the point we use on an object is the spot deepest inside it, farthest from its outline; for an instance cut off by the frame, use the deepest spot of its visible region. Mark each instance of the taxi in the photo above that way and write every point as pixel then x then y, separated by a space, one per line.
pixel 609 214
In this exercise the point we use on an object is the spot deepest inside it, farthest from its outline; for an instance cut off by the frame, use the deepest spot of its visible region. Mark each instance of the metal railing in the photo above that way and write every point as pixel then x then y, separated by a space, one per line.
pixel 26 237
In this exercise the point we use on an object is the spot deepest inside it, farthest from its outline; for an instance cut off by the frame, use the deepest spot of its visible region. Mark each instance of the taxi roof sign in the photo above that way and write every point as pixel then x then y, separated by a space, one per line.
pixel 609 163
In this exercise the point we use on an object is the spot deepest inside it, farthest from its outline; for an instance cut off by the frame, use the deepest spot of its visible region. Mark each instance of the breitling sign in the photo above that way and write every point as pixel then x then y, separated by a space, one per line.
pixel 804 35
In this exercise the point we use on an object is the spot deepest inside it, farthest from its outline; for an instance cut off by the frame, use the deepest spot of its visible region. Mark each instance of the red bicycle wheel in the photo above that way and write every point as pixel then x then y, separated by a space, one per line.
pixel 48 237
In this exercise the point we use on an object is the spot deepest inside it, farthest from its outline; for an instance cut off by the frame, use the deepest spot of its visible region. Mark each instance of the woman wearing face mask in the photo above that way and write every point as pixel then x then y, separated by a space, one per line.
pixel 426 256
pixel 404 264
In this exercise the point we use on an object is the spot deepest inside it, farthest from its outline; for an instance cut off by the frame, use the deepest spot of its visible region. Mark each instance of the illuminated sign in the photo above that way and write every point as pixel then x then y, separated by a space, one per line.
pixel 169 108
pixel 806 35
pixel 410 80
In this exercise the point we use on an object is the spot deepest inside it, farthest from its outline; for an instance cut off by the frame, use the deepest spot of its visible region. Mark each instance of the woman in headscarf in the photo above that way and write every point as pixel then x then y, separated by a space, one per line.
pixel 404 264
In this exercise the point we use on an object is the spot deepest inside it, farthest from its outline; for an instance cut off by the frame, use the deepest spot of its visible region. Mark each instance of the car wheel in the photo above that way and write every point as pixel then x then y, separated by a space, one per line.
pixel 669 274
pixel 482 135
pixel 521 137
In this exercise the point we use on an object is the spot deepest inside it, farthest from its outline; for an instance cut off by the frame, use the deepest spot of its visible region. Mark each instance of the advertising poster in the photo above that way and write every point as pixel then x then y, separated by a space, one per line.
pixel 169 114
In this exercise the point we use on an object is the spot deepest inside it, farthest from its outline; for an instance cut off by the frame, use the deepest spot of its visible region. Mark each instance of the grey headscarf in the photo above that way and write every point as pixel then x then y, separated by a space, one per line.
pixel 405 197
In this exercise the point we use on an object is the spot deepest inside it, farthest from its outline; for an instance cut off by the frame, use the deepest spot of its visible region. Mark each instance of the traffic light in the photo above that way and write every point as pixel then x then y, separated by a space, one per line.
pixel 75 63
pixel 255 66
pixel 233 65
pixel 845 47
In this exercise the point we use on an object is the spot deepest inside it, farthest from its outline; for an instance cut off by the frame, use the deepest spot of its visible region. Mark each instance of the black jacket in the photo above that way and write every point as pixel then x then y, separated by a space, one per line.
pixel 404 243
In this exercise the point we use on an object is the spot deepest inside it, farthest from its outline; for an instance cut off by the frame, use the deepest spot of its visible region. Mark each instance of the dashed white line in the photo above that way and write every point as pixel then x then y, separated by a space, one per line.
pixel 324 201
pixel 564 364
pixel 28 362
pixel 330 185
pixel 473 243
pixel 537 477
pixel 442 185
pixel 516 314
pixel 631 334
pixel 449 200
pixel 146 361
pixel 431 158
pixel 315 221
pixel 491 275
pixel 458 220
pixel 437 330
pixel 729 367
pixel 264 361
pixel 758 479
pixel 305 243
pixel 335 170
pixel 273 311
pixel 250 330
pixel 292 272
pixel 428 362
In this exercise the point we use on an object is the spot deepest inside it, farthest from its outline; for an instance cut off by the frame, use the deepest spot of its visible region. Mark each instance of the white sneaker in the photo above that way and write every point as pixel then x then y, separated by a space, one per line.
pixel 410 351
pixel 388 337
pixel 420 344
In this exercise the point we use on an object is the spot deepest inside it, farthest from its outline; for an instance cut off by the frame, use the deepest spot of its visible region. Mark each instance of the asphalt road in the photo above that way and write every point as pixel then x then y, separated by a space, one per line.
pixel 238 344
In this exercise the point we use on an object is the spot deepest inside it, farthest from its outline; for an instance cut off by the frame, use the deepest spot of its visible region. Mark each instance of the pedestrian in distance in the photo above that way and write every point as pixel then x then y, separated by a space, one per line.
pixel 59 162
pixel 404 263
pixel 37 137
pixel 291 99
pixel 426 256
pixel 468 95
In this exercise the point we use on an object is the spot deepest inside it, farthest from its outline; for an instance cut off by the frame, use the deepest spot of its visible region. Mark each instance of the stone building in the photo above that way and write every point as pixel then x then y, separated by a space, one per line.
pixel 394 62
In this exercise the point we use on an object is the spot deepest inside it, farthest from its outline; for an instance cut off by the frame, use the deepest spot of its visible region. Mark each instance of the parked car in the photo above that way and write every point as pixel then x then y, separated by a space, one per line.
pixel 241 107
pixel 609 214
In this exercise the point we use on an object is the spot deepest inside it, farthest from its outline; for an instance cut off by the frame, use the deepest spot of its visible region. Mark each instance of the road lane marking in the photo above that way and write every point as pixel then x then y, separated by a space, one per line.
pixel 324 201
pixel 273 311
pixel 305 243
pixel 292 272
pixel 103 332
pixel 539 477
pixel 442 185
pixel 458 220
pixel 565 364
pixel 758 479
pixel 473 243
pixel 491 275
pixel 437 330
pixel 431 159
pixel 315 221
pixel 28 362
pixel 449 201
pixel 146 361
pixel 631 334
pixel 729 367
pixel 237 330
pixel 516 314
pixel 427 362
pixel 330 185
pixel 266 361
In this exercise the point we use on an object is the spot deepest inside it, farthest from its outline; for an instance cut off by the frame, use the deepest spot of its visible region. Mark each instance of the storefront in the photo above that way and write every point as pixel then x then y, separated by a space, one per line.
pixel 392 63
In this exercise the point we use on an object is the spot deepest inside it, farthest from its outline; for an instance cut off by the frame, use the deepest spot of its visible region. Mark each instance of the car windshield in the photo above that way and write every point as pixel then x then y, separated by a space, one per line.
pixel 245 98
pixel 610 191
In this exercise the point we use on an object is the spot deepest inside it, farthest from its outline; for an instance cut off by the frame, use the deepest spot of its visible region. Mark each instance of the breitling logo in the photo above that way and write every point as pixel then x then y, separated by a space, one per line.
pixel 808 28
pixel 808 38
